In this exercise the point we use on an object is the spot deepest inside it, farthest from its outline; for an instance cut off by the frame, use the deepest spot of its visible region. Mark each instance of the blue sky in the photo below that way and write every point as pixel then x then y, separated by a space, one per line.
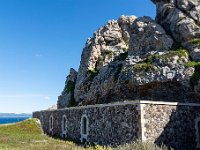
pixel 40 40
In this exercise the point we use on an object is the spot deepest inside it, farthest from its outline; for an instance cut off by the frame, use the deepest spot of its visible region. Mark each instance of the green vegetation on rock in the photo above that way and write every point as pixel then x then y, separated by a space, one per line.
pixel 144 66
pixel 192 64
pixel 72 102
pixel 195 41
pixel 150 59
pixel 69 87
pixel 196 75
pixel 93 73
pixel 123 56
pixel 110 53
pixel 27 135
pixel 179 52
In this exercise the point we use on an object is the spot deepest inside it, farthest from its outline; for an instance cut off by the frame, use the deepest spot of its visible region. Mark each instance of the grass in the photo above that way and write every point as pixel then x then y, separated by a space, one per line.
pixel 27 135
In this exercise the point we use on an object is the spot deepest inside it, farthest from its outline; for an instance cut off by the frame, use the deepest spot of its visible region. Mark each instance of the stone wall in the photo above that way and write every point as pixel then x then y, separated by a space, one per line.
pixel 112 124
pixel 173 124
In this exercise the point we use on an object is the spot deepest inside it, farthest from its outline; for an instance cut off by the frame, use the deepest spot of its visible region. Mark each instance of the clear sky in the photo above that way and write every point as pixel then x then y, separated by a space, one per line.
pixel 40 40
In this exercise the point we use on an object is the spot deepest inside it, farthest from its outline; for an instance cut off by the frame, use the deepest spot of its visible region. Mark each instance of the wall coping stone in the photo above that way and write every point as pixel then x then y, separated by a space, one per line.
pixel 136 102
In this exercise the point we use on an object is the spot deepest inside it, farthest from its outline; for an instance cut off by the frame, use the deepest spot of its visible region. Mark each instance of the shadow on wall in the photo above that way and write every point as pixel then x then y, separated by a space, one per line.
pixel 183 130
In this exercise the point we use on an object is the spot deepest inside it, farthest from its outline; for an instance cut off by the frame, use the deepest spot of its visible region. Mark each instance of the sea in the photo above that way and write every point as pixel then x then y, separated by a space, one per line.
pixel 12 120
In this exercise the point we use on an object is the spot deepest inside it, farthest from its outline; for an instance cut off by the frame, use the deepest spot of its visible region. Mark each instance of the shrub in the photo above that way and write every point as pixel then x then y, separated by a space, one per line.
pixel 72 102
pixel 69 87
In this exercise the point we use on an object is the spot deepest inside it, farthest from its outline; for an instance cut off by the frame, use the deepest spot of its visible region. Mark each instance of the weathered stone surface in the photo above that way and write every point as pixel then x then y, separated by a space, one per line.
pixel 148 37
pixel 66 99
pixel 170 125
pixel 181 19
pixel 108 43
pixel 194 50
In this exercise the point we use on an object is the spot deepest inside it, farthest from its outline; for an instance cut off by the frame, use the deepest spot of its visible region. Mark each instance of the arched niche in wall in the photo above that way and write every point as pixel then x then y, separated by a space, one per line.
pixel 84 128
pixel 64 126
pixel 51 124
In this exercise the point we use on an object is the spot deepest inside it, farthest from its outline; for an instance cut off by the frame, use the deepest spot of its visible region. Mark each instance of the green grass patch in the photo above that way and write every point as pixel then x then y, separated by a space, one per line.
pixel 27 135
pixel 195 41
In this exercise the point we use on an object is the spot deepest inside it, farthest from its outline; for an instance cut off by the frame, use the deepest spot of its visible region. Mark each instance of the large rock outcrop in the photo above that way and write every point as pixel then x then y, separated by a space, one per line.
pixel 181 18
pixel 139 58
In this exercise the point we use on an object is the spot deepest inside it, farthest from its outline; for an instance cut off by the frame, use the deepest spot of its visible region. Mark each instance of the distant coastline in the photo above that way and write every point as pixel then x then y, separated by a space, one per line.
pixel 13 115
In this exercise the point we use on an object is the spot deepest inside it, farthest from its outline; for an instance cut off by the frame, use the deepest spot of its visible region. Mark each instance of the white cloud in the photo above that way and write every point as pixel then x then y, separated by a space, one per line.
pixel 47 97
pixel 38 55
